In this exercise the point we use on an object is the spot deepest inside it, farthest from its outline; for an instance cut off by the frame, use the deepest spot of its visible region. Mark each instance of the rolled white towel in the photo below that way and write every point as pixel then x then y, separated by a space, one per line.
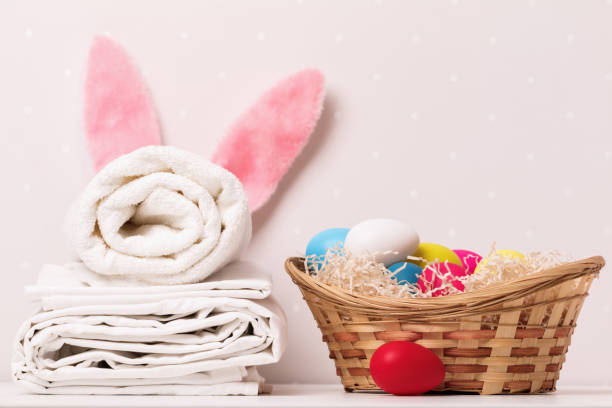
pixel 160 215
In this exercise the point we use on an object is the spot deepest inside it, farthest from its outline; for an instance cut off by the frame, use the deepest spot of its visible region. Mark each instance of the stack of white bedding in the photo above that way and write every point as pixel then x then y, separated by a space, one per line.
pixel 141 312
pixel 196 339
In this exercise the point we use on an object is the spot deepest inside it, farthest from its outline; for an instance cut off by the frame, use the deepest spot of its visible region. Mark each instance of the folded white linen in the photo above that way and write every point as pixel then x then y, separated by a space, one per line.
pixel 147 341
pixel 74 285
pixel 160 215
pixel 233 382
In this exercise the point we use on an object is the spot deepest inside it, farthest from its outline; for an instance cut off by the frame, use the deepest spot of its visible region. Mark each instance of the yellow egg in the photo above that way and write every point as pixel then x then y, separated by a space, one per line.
pixel 433 252
pixel 506 253
pixel 510 253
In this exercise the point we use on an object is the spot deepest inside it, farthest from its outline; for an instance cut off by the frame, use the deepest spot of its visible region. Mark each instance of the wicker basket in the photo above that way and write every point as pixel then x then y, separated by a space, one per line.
pixel 508 338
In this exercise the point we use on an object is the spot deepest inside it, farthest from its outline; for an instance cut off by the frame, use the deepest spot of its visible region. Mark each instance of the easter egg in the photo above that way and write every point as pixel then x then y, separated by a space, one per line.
pixel 506 253
pixel 469 259
pixel 429 279
pixel 405 272
pixel 510 253
pixel 405 368
pixel 435 253
pixel 390 241
pixel 324 240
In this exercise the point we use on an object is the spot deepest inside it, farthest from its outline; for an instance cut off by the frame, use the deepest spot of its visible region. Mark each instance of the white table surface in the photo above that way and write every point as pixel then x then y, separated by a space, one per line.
pixel 294 395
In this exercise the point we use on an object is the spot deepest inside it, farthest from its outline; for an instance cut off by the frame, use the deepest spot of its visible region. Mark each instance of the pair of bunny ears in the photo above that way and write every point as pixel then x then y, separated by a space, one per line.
pixel 259 147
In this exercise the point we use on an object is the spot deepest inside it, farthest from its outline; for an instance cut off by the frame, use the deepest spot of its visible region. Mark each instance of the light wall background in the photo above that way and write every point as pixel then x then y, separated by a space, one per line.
pixel 475 121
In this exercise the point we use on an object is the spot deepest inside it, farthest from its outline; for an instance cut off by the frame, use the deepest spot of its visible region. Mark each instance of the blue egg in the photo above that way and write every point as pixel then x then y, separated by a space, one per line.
pixel 324 240
pixel 410 273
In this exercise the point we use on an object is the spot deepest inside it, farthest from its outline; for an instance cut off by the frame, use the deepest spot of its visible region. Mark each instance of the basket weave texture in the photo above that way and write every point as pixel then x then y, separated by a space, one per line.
pixel 507 338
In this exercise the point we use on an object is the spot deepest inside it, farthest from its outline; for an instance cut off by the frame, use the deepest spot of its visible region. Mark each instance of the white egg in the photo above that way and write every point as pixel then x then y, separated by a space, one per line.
pixel 390 241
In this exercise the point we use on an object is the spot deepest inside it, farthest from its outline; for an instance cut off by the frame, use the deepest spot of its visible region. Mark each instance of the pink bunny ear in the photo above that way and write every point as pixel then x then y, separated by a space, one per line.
pixel 264 141
pixel 119 113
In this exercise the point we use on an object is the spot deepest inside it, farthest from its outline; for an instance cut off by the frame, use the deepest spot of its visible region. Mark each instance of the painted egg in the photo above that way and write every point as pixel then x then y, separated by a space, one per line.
pixel 405 368
pixel 405 272
pixel 324 240
pixel 390 241
pixel 435 253
pixel 510 253
pixel 469 259
pixel 506 253
pixel 429 279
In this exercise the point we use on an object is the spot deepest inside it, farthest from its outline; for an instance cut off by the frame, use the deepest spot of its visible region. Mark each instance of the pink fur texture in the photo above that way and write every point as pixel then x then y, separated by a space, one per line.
pixel 262 144
pixel 119 113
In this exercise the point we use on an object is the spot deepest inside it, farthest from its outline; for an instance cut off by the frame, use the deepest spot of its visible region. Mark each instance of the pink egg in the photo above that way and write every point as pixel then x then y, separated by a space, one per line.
pixel 469 259
pixel 427 280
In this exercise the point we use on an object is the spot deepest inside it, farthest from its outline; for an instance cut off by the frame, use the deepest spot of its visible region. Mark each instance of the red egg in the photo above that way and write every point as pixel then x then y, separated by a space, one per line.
pixel 405 368
pixel 429 281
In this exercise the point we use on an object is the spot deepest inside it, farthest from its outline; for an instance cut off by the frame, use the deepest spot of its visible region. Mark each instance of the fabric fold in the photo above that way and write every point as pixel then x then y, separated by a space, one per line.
pixel 229 382
pixel 75 285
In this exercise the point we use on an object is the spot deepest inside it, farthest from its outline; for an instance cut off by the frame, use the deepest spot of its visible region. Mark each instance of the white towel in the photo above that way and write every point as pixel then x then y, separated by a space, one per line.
pixel 160 215
pixel 149 340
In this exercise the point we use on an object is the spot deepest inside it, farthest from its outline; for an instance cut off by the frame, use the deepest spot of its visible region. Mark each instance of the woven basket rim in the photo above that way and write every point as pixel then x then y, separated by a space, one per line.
pixel 455 305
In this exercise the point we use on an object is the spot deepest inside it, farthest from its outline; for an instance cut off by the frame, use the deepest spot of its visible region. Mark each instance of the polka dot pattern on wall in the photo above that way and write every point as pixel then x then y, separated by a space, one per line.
pixel 402 97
